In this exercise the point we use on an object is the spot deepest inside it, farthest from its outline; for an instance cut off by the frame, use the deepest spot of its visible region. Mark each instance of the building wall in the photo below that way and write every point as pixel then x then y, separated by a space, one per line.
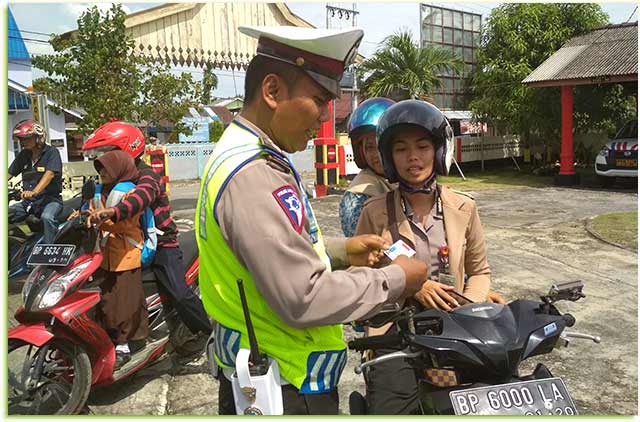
pixel 20 72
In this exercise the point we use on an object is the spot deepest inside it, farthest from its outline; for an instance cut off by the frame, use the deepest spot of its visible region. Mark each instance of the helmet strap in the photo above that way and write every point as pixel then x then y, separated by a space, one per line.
pixel 426 188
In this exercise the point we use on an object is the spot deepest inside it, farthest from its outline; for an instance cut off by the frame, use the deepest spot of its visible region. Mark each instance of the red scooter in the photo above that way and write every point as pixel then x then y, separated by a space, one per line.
pixel 58 352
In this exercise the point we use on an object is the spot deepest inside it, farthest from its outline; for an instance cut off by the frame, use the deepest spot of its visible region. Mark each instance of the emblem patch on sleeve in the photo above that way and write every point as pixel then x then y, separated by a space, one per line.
pixel 290 203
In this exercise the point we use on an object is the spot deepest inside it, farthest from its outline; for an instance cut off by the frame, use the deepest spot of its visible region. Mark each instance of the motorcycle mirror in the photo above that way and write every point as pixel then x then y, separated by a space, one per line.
pixel 571 291
pixel 88 190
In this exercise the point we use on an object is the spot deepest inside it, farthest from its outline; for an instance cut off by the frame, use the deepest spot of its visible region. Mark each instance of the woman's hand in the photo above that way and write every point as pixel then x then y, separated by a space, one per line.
pixel 434 295
pixel 365 249
pixel 495 297
pixel 97 217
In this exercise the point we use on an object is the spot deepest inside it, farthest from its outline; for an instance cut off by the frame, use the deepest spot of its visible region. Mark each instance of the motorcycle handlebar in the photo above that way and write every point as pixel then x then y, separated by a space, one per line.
pixel 376 342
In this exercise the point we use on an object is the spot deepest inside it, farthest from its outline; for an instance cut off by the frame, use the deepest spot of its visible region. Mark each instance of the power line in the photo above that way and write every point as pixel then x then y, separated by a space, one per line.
pixel 32 32
pixel 29 39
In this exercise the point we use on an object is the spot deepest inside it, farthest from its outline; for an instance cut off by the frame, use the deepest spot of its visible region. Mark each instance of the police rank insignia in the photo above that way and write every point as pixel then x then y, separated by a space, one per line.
pixel 288 199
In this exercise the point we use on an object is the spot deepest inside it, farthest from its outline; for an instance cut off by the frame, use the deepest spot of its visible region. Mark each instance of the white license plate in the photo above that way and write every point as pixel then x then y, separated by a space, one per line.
pixel 51 254
pixel 538 397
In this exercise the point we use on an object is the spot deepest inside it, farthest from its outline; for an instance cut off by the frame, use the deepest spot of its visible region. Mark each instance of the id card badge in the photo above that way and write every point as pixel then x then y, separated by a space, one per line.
pixel 448 279
pixel 399 248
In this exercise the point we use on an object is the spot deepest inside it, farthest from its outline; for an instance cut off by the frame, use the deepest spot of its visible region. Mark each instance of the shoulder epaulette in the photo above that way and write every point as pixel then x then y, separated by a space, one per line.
pixel 277 163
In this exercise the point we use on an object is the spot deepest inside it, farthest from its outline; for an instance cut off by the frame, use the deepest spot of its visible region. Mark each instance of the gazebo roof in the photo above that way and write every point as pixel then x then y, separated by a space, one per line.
pixel 606 54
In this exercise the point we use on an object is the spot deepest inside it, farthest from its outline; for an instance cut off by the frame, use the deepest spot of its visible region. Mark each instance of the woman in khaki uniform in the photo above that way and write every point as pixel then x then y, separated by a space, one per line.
pixel 370 182
pixel 441 225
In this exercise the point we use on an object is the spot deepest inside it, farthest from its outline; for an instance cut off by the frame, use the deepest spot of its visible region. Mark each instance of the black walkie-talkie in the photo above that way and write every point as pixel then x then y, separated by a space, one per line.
pixel 259 361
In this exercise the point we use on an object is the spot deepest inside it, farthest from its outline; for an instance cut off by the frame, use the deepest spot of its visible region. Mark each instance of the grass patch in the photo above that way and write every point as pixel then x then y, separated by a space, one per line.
pixel 618 227
pixel 501 178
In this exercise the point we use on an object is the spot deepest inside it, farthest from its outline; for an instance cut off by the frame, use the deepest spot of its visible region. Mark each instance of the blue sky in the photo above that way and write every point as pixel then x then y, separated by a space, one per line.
pixel 377 19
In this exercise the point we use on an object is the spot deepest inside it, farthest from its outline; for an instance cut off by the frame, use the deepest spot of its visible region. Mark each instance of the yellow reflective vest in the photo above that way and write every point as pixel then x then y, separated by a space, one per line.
pixel 312 359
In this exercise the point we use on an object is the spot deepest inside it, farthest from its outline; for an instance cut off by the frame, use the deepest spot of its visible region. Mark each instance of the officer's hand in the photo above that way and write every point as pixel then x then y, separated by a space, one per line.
pixel 416 273
pixel 28 194
pixel 434 295
pixel 496 297
pixel 97 217
pixel 365 250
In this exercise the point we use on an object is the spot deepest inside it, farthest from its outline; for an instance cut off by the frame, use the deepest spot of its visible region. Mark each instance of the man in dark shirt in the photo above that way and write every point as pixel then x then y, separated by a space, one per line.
pixel 168 264
pixel 41 169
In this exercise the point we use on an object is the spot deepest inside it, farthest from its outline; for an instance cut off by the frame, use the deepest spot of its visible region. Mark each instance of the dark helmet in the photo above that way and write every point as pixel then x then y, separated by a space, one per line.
pixel 363 119
pixel 421 114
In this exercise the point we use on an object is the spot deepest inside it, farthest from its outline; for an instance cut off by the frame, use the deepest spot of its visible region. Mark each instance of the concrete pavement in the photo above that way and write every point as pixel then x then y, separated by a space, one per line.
pixel 535 238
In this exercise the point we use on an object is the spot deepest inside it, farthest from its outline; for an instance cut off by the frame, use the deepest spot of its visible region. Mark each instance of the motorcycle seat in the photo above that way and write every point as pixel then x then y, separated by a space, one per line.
pixel 68 207
pixel 188 246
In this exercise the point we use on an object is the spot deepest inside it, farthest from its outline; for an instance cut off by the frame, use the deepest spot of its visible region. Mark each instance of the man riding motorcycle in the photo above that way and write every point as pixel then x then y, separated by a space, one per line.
pixel 41 168
pixel 150 192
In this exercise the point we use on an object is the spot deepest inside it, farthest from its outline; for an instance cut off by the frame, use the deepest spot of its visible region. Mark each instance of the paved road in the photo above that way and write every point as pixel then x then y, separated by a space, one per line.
pixel 535 237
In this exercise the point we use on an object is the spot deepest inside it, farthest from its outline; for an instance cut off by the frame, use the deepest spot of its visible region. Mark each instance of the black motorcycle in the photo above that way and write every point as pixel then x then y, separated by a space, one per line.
pixel 467 360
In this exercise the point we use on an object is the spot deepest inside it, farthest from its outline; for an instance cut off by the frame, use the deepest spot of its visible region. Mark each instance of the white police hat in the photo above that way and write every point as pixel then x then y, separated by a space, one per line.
pixel 322 53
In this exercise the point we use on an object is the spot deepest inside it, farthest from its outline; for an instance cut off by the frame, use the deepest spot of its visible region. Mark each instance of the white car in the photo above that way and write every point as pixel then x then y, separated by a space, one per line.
pixel 619 156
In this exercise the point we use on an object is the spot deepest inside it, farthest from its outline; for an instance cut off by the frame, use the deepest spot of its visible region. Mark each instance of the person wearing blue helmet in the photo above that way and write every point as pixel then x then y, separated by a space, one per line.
pixel 370 182
pixel 442 226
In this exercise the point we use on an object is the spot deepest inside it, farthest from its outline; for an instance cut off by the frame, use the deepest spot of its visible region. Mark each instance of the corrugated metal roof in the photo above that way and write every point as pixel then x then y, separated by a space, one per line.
pixel 16 47
pixel 610 51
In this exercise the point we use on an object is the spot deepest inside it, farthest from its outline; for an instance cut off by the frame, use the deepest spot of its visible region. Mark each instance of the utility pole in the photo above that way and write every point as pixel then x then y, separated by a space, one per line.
pixel 340 13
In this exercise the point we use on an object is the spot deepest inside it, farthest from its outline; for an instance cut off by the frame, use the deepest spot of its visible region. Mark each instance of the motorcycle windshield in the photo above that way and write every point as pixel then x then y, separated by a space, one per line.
pixel 487 336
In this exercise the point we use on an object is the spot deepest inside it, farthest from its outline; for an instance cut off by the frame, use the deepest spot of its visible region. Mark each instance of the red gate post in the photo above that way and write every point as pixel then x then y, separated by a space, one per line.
pixel 567 175
pixel 325 137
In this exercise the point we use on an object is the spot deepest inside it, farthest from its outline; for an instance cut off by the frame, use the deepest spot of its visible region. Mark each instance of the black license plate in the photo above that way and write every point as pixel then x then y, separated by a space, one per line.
pixel 529 398
pixel 51 254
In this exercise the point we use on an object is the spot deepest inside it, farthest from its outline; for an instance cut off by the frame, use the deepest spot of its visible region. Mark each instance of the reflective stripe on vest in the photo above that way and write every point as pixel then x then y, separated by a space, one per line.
pixel 311 358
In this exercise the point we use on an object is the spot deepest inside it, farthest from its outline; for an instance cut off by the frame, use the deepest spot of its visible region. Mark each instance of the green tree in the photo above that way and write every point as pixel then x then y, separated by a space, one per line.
pixel 164 96
pixel 516 39
pixel 209 83
pixel 215 130
pixel 401 69
pixel 95 70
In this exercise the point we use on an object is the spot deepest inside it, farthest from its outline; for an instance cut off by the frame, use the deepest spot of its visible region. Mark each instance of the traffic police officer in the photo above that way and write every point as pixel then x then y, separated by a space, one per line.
pixel 254 222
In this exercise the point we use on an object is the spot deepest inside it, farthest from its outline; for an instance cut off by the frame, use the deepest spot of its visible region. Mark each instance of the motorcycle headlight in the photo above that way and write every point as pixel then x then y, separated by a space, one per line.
pixel 604 151
pixel 56 289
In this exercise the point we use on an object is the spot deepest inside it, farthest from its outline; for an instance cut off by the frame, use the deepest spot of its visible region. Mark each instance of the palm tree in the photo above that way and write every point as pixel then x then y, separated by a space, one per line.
pixel 402 69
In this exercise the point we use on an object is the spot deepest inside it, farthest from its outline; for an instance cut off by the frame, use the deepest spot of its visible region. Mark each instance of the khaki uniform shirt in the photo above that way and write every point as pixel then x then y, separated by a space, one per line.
pixel 428 237
pixel 465 237
pixel 286 269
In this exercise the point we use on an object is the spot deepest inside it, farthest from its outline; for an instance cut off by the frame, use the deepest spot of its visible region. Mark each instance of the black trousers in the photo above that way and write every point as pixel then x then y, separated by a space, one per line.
pixel 169 270
pixel 392 386
pixel 294 402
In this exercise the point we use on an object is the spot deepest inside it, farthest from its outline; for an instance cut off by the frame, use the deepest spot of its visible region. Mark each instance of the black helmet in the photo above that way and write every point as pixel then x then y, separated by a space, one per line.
pixel 423 115
pixel 364 119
